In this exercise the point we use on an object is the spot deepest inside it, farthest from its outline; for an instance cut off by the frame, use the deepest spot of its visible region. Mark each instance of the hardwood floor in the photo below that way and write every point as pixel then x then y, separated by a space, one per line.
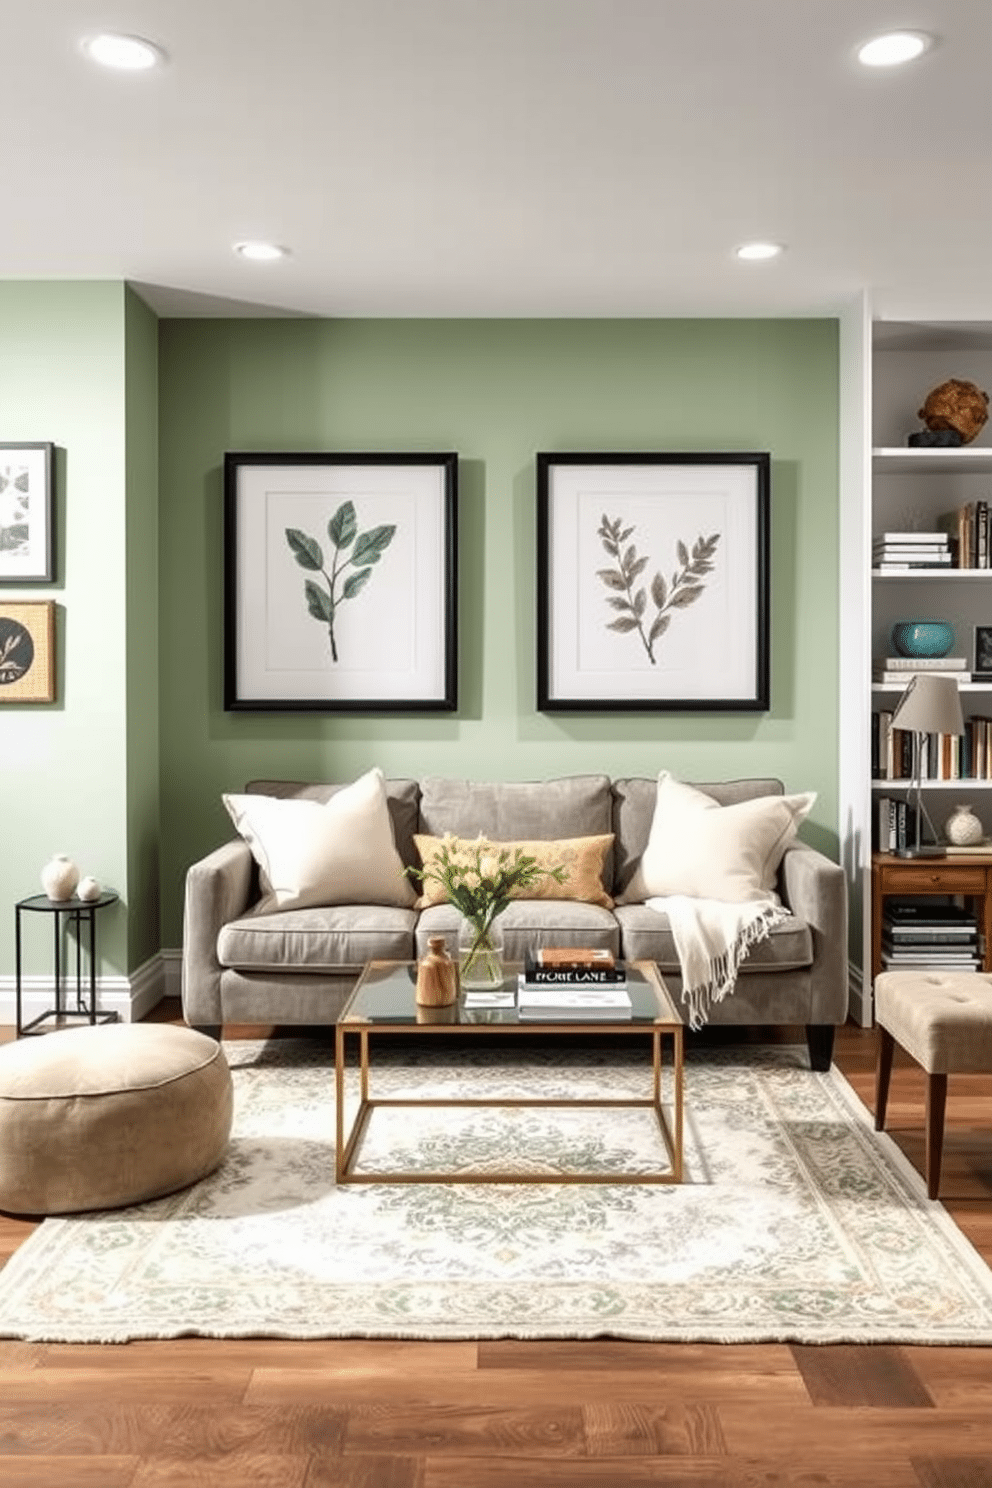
pixel 382 1414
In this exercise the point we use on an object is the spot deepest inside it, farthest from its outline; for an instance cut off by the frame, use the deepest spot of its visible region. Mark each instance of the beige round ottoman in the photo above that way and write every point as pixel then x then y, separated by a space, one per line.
pixel 94 1118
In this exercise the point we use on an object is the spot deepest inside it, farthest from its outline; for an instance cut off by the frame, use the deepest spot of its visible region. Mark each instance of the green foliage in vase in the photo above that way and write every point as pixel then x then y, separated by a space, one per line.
pixel 631 601
pixel 366 550
pixel 480 879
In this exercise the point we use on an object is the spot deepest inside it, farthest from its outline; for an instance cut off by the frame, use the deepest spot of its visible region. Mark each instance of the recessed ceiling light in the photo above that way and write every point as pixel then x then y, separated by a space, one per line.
pixel 894 48
pixel 755 252
pixel 127 53
pixel 261 252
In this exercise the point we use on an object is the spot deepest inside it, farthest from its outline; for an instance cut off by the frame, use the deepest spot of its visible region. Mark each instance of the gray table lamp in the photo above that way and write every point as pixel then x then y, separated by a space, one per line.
pixel 930 705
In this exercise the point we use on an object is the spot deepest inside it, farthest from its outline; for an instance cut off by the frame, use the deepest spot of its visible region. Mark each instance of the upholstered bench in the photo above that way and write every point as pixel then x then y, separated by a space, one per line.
pixel 944 1021
pixel 99 1117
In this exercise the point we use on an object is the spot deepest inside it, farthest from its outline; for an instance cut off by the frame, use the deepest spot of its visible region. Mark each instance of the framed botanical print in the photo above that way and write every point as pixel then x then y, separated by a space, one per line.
pixel 27 514
pixel 340 585
pixel 653 582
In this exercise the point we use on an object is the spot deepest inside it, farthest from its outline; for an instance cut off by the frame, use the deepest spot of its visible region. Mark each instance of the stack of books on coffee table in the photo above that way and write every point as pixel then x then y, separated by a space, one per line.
pixel 569 984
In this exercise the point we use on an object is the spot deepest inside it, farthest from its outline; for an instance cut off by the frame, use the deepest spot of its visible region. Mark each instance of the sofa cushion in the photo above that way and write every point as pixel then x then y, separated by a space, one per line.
pixel 402 801
pixel 528 924
pixel 634 801
pixel 581 857
pixel 571 806
pixel 326 938
pixel 645 936
pixel 708 851
pixel 337 852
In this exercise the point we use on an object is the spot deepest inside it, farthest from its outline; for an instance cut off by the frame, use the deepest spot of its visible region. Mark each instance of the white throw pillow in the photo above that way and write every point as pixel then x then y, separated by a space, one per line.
pixel 309 852
pixel 708 851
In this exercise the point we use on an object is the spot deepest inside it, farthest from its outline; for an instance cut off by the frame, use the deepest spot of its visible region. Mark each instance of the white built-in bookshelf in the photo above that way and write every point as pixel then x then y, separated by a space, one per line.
pixel 888 367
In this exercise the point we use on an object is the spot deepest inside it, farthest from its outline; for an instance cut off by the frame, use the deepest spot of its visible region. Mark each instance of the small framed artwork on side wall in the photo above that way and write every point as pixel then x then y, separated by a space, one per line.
pixel 27 514
pixel 27 651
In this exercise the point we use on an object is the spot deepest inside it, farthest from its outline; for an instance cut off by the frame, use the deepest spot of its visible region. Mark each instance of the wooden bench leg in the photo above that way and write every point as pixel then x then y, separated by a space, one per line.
pixel 936 1102
pixel 883 1071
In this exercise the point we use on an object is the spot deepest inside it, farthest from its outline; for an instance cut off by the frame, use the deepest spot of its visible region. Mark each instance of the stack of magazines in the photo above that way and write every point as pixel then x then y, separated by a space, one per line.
pixel 569 984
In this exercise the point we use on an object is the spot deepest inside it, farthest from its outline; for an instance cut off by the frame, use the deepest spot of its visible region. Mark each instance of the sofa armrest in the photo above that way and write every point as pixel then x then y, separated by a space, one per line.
pixel 815 890
pixel 218 889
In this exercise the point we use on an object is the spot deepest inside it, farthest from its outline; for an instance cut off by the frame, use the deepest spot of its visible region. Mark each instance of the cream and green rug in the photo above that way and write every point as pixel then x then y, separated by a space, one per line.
pixel 797 1222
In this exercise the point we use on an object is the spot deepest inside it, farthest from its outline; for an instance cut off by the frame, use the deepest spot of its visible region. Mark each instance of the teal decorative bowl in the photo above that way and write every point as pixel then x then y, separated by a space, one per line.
pixel 923 637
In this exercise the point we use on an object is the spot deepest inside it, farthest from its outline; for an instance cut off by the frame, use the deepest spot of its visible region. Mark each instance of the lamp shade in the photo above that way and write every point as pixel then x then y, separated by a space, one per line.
pixel 930 705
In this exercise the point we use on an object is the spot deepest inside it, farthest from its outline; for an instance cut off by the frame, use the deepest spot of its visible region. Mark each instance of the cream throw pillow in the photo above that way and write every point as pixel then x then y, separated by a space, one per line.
pixel 582 857
pixel 707 851
pixel 338 852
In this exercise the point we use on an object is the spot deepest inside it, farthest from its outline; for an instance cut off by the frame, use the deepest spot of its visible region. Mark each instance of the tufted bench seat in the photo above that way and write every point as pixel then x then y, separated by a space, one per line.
pixel 96 1118
pixel 944 1021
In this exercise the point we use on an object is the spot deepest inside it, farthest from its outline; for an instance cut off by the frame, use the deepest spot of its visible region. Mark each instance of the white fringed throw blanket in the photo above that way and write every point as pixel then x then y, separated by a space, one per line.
pixel 712 937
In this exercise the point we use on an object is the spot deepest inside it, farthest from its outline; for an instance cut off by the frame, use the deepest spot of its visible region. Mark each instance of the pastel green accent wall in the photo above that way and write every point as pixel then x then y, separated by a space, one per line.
pixel 62 376
pixel 142 609
pixel 496 392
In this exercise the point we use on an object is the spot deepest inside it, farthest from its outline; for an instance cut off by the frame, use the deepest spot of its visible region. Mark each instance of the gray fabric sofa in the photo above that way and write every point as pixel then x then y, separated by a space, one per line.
pixel 297 966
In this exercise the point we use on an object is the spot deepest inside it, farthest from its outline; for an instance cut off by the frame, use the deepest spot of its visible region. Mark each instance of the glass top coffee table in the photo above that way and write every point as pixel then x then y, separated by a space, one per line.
pixel 383 1002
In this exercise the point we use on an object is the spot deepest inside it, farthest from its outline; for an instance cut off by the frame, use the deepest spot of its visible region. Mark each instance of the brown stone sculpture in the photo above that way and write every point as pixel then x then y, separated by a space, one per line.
pixel 956 405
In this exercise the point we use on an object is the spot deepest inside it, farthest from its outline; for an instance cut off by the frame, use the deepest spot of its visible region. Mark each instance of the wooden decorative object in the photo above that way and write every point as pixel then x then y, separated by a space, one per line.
pixel 958 405
pixel 437 976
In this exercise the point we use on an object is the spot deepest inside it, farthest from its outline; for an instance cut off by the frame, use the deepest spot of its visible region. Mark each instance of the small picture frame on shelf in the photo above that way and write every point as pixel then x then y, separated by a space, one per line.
pixel 983 653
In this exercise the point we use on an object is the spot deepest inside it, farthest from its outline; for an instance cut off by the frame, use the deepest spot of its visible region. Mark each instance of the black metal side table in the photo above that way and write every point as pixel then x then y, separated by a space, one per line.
pixel 69 912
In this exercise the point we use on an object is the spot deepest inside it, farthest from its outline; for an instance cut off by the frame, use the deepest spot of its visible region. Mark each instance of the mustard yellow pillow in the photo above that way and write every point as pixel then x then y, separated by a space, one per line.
pixel 582 858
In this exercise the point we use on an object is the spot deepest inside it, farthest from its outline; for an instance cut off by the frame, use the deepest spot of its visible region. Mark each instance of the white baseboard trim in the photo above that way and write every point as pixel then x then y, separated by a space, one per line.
pixel 131 997
pixel 859 996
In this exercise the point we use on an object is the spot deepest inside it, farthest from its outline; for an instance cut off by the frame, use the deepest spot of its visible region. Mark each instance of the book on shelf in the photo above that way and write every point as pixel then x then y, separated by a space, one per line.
pixel 900 934
pixel 968 963
pixel 928 539
pixel 970 530
pixel 900 565
pixel 926 910
pixel 963 849
pixel 920 663
pixel 902 679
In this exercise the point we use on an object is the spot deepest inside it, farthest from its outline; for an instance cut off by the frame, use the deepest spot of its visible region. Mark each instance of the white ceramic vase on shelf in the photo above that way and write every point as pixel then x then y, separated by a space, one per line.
pixel 963 827
pixel 59 878
pixel 87 889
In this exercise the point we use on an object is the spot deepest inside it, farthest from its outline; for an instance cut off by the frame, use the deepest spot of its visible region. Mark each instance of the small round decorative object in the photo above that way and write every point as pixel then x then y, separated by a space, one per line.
pixel 963 828
pixel 59 878
pixel 956 404
pixel 88 888
pixel 923 637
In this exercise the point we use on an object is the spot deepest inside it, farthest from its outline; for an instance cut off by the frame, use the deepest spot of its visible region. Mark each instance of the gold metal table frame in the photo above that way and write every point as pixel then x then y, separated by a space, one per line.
pixel 666 1025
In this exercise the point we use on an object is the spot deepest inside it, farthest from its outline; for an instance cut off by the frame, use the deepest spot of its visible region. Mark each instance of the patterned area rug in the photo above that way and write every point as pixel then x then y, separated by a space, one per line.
pixel 797 1222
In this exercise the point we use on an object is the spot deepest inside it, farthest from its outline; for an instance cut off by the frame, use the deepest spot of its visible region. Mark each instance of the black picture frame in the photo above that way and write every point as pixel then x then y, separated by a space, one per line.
pixel 27 512
pixel 983 648
pixel 341 578
pixel 625 540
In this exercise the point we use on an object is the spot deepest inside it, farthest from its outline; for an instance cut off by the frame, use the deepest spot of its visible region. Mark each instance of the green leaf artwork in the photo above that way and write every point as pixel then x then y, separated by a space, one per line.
pixel 631 602
pixel 366 550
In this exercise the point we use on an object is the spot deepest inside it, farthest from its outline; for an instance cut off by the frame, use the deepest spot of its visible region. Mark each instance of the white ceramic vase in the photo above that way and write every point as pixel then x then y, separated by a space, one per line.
pixel 963 827
pixel 59 878
pixel 88 889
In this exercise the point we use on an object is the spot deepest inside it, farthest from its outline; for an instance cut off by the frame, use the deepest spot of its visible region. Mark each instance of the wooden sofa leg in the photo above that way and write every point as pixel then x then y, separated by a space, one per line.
pixel 820 1042
pixel 212 1030
pixel 936 1103
pixel 883 1071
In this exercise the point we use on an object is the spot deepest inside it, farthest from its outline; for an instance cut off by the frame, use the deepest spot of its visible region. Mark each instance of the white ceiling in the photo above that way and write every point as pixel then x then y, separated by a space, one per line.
pixel 504 157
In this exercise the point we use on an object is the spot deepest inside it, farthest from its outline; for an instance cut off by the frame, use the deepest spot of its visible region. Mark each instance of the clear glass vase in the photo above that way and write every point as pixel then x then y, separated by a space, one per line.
pixel 480 955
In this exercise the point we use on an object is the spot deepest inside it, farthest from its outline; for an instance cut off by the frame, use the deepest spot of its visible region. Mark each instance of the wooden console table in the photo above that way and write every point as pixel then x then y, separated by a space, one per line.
pixel 970 876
